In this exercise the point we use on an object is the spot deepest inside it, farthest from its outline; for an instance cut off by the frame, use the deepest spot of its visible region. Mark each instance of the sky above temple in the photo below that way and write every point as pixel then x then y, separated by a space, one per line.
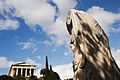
pixel 33 29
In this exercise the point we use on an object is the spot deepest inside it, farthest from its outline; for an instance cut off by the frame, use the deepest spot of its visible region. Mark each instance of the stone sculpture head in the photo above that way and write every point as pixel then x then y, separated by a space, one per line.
pixel 90 47
pixel 84 31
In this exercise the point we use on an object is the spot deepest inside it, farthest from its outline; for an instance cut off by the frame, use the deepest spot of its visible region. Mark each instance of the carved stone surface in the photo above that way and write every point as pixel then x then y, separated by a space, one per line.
pixel 90 46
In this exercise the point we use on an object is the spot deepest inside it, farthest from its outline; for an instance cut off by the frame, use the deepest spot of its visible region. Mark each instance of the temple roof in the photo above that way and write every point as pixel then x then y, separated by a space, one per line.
pixel 22 64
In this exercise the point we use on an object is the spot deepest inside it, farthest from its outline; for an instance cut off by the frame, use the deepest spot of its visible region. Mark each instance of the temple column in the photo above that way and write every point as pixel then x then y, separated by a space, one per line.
pixel 21 71
pixel 30 72
pixel 34 72
pixel 26 72
pixel 12 72
pixel 16 71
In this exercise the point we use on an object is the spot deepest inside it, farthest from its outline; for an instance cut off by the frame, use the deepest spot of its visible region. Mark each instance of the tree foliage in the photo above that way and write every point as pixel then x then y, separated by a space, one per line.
pixel 5 77
pixel 49 74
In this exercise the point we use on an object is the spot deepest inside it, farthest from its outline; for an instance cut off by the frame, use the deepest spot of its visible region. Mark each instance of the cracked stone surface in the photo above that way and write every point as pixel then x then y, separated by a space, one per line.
pixel 90 46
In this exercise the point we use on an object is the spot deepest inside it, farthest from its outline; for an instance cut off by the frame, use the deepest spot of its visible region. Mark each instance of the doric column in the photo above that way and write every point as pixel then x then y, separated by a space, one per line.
pixel 26 72
pixel 12 72
pixel 34 72
pixel 30 71
pixel 16 71
pixel 21 71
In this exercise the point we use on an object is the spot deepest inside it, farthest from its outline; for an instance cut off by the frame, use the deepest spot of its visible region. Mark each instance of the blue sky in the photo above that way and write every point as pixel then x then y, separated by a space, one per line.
pixel 33 29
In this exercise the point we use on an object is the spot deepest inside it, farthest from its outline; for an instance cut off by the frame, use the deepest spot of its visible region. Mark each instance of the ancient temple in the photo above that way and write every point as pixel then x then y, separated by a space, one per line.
pixel 22 69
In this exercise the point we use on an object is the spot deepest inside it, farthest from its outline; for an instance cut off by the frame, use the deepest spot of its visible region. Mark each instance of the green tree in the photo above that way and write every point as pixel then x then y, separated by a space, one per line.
pixel 53 76
pixel 49 74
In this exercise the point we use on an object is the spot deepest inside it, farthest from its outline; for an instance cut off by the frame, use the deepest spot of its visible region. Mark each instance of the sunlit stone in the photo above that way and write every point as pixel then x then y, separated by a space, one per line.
pixel 90 45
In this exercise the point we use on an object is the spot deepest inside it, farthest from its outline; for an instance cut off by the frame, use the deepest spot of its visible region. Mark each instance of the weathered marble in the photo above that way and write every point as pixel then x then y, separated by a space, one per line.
pixel 90 46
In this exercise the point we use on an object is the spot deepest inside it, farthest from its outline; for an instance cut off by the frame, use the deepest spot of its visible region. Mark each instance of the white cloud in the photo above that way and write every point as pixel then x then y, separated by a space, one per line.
pixel 64 6
pixel 9 24
pixel 47 42
pixel 60 31
pixel 115 30
pixel 66 53
pixel 34 12
pixel 58 28
pixel 39 57
pixel 38 73
pixel 104 18
pixel 42 13
pixel 5 6
pixel 4 63
pixel 30 61
pixel 34 50
pixel 116 55
pixel 69 50
pixel 65 71
pixel 28 45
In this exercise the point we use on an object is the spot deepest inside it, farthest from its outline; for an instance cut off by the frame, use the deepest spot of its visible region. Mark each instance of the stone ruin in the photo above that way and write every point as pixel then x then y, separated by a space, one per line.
pixel 22 69
pixel 90 46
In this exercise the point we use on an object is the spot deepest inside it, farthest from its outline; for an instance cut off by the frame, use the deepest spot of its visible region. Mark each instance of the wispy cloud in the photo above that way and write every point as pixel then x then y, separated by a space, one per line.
pixel 66 53
pixel 32 62
pixel 27 45
pixel 46 42
pixel 30 44
pixel 105 18
pixel 39 57
pixel 34 50
pixel 9 24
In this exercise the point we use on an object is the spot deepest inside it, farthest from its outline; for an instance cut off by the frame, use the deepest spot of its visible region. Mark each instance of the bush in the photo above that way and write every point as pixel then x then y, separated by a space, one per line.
pixel 19 78
pixel 33 78
pixel 6 77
